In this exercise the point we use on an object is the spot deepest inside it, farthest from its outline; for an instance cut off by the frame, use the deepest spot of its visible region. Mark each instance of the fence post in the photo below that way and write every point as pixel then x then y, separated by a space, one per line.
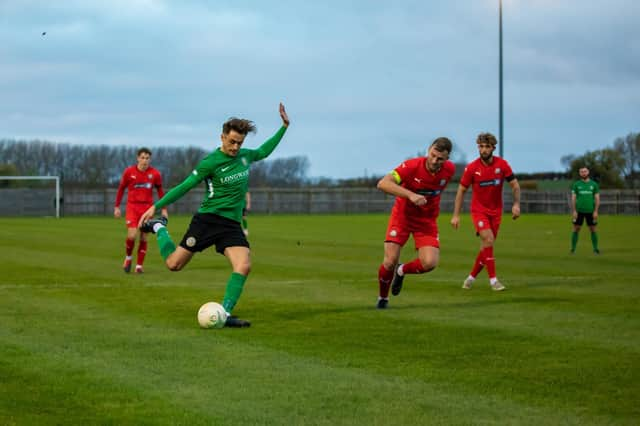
pixel 547 202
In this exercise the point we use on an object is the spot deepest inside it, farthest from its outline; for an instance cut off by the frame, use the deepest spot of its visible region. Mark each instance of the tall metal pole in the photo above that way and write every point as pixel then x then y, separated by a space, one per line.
pixel 58 197
pixel 501 136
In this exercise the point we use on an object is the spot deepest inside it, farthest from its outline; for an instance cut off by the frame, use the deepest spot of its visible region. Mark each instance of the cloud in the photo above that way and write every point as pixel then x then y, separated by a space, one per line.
pixel 367 83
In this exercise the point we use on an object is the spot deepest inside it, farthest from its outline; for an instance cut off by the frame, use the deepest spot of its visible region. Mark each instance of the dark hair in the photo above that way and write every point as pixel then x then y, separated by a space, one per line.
pixel 144 150
pixel 240 125
pixel 442 144
pixel 487 138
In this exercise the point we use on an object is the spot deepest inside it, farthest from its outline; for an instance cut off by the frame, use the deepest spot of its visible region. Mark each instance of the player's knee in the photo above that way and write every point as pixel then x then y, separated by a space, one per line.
pixel 174 266
pixel 428 265
pixel 389 264
pixel 243 268
pixel 488 241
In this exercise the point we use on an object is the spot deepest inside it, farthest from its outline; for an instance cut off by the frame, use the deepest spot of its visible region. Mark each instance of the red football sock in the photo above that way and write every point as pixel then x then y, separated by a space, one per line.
pixel 490 261
pixel 129 246
pixel 142 251
pixel 478 265
pixel 413 267
pixel 384 281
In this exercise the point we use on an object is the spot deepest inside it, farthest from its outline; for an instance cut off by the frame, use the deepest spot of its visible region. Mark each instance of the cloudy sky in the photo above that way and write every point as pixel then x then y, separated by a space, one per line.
pixel 366 83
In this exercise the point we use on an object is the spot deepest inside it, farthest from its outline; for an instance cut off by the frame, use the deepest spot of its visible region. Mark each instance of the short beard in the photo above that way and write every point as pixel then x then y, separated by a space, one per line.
pixel 437 169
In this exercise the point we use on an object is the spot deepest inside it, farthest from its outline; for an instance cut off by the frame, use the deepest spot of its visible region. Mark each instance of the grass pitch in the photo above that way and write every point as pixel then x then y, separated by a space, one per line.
pixel 83 343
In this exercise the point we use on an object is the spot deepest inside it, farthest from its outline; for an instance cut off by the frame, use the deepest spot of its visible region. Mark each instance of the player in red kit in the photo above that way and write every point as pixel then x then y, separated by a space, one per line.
pixel 486 176
pixel 417 184
pixel 139 181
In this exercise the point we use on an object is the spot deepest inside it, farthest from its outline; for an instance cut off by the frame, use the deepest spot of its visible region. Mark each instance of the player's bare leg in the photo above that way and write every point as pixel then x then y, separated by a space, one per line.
pixel 178 259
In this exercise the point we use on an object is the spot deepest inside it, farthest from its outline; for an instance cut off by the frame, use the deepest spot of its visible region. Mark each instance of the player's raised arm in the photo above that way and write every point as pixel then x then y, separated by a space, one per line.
pixel 264 150
pixel 284 116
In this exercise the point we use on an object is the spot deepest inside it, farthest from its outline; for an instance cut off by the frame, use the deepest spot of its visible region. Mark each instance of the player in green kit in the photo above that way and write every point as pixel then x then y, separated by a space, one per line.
pixel 585 201
pixel 225 173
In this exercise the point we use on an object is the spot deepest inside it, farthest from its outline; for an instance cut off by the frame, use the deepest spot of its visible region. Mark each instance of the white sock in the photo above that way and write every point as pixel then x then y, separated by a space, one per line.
pixel 400 270
pixel 492 281
pixel 128 257
pixel 470 278
pixel 157 226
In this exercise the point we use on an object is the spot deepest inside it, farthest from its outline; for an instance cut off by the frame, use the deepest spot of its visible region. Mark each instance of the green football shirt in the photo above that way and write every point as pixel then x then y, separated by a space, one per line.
pixel 226 179
pixel 585 195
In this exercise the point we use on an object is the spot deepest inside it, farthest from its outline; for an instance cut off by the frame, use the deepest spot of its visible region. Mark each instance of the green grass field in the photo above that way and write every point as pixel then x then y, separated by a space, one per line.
pixel 83 343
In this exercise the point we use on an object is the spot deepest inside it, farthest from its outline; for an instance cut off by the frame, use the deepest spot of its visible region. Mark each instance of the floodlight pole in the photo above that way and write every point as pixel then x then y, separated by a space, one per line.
pixel 501 135
pixel 57 196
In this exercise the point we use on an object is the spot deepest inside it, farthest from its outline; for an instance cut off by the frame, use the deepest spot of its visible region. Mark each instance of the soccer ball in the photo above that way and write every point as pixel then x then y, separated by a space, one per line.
pixel 212 315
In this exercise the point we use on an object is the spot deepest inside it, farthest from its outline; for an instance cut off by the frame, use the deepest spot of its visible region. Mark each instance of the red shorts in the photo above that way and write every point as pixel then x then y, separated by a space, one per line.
pixel 484 221
pixel 425 234
pixel 134 213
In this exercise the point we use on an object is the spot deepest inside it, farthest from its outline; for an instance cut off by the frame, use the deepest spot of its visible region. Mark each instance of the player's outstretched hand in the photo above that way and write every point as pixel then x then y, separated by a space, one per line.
pixel 455 222
pixel 284 116
pixel 515 211
pixel 147 215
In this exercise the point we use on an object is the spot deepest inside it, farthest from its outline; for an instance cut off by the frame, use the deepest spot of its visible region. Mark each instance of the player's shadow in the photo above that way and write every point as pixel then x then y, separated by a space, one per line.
pixel 399 306
pixel 504 301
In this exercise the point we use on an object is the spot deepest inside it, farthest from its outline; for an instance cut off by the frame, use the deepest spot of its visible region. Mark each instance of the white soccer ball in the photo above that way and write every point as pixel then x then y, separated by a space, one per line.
pixel 212 315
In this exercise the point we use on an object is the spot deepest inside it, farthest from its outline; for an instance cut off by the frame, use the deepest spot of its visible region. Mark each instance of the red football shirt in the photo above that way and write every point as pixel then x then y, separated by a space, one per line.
pixel 415 177
pixel 139 185
pixel 486 183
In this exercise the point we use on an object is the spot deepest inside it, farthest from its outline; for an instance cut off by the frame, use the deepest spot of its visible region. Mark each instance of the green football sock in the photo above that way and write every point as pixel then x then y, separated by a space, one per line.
pixel 574 240
pixel 594 240
pixel 233 291
pixel 165 243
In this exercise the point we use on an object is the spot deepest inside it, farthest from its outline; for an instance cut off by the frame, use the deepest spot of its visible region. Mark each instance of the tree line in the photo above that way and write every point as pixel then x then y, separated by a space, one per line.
pixel 101 166
pixel 617 166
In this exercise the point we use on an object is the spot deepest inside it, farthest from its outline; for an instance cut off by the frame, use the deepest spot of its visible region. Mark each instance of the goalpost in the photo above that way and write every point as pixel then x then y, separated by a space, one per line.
pixel 27 178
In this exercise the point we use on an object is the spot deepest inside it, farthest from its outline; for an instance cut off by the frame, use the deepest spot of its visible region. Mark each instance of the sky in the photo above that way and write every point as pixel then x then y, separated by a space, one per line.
pixel 366 83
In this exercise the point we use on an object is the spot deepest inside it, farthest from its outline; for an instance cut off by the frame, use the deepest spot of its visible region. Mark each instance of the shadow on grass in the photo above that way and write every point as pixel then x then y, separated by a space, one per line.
pixel 315 310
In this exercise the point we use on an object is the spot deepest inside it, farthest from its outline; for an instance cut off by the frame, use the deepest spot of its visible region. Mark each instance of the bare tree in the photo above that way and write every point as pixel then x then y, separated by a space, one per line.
pixel 566 160
pixel 629 149
pixel 605 166
pixel 290 172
